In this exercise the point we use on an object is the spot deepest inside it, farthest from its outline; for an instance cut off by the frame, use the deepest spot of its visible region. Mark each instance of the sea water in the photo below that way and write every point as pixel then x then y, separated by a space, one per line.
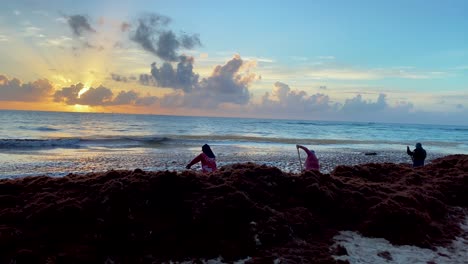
pixel 58 143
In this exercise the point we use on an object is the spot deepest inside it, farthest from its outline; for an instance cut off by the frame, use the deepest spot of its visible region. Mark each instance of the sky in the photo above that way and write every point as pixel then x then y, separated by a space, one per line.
pixel 372 61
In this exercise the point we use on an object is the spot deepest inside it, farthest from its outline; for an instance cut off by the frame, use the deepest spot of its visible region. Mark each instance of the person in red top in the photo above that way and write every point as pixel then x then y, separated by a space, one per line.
pixel 207 159
pixel 311 162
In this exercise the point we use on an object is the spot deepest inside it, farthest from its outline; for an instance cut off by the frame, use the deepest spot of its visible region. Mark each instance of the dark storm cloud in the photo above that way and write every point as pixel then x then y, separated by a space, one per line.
pixel 14 90
pixel 79 25
pixel 153 36
pixel 101 96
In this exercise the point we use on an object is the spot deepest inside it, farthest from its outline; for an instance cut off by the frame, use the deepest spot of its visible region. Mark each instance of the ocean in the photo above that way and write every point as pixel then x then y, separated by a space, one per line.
pixel 58 143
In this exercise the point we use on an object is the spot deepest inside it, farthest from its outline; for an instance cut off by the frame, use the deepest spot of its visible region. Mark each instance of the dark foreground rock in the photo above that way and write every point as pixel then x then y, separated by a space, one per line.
pixel 243 210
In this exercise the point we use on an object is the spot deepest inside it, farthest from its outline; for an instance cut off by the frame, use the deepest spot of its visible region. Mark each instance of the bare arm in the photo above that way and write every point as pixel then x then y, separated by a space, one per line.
pixel 408 151
pixel 305 149
pixel 194 161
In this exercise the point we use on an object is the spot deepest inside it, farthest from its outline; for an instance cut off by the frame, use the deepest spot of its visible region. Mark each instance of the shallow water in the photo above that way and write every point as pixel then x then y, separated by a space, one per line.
pixel 55 143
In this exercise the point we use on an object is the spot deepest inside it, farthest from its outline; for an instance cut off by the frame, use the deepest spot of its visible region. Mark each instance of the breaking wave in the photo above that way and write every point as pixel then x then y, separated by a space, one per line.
pixel 158 141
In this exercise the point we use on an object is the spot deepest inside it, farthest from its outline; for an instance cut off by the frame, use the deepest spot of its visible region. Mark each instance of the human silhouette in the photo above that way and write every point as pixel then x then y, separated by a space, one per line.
pixel 418 155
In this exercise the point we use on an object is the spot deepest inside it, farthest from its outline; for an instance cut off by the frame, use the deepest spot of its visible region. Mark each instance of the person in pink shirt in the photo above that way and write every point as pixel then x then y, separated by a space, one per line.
pixel 311 162
pixel 207 159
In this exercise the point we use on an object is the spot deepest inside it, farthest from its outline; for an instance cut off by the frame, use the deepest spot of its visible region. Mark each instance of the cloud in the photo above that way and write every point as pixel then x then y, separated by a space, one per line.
pixel 88 45
pixel 459 106
pixel 96 96
pixel 118 77
pixel 403 106
pixel 183 78
pixel 147 79
pixel 133 98
pixel 32 31
pixel 227 84
pixel 79 25
pixel 68 95
pixel 60 42
pixel 152 35
pixel 125 26
pixel 370 74
pixel 61 20
pixel 3 38
pixel 101 96
pixel 285 100
pixel 357 104
pixel 326 57
pixel 14 90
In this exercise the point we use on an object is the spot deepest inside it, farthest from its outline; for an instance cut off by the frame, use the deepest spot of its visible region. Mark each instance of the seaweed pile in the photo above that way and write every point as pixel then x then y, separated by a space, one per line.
pixel 242 211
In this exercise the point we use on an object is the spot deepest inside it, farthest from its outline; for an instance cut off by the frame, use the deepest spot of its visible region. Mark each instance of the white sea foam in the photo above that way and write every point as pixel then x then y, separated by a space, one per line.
pixel 362 250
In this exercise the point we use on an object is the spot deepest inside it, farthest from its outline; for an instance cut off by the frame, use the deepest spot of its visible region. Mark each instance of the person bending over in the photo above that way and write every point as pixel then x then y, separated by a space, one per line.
pixel 207 159
pixel 311 162
pixel 418 155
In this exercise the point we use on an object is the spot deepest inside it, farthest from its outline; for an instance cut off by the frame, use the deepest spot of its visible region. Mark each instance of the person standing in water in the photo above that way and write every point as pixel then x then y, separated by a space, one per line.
pixel 207 159
pixel 311 162
pixel 418 155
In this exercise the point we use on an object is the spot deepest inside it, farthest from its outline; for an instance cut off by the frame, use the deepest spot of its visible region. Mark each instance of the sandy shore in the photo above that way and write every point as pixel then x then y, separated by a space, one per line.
pixel 254 213
pixel 289 161
pixel 63 162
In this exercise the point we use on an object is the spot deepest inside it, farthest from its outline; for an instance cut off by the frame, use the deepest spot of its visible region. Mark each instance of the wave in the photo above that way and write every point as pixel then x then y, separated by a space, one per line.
pixel 160 141
pixel 40 128
pixel 111 141
pixel 277 140
pixel 38 143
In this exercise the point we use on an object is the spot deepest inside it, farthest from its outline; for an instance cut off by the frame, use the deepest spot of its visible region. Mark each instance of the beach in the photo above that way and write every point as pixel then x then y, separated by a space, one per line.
pixel 22 163
pixel 113 188
pixel 246 132
pixel 56 143
pixel 242 213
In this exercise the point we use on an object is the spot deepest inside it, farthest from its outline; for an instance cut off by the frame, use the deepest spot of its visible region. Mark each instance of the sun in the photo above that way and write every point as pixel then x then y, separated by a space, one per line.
pixel 86 87
pixel 83 90
pixel 81 108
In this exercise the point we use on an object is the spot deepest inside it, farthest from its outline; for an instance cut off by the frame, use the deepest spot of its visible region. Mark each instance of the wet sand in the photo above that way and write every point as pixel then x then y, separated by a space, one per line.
pixel 289 161
pixel 244 211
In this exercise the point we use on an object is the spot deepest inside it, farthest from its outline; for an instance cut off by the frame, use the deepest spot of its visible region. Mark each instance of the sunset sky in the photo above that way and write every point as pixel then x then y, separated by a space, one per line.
pixel 377 61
